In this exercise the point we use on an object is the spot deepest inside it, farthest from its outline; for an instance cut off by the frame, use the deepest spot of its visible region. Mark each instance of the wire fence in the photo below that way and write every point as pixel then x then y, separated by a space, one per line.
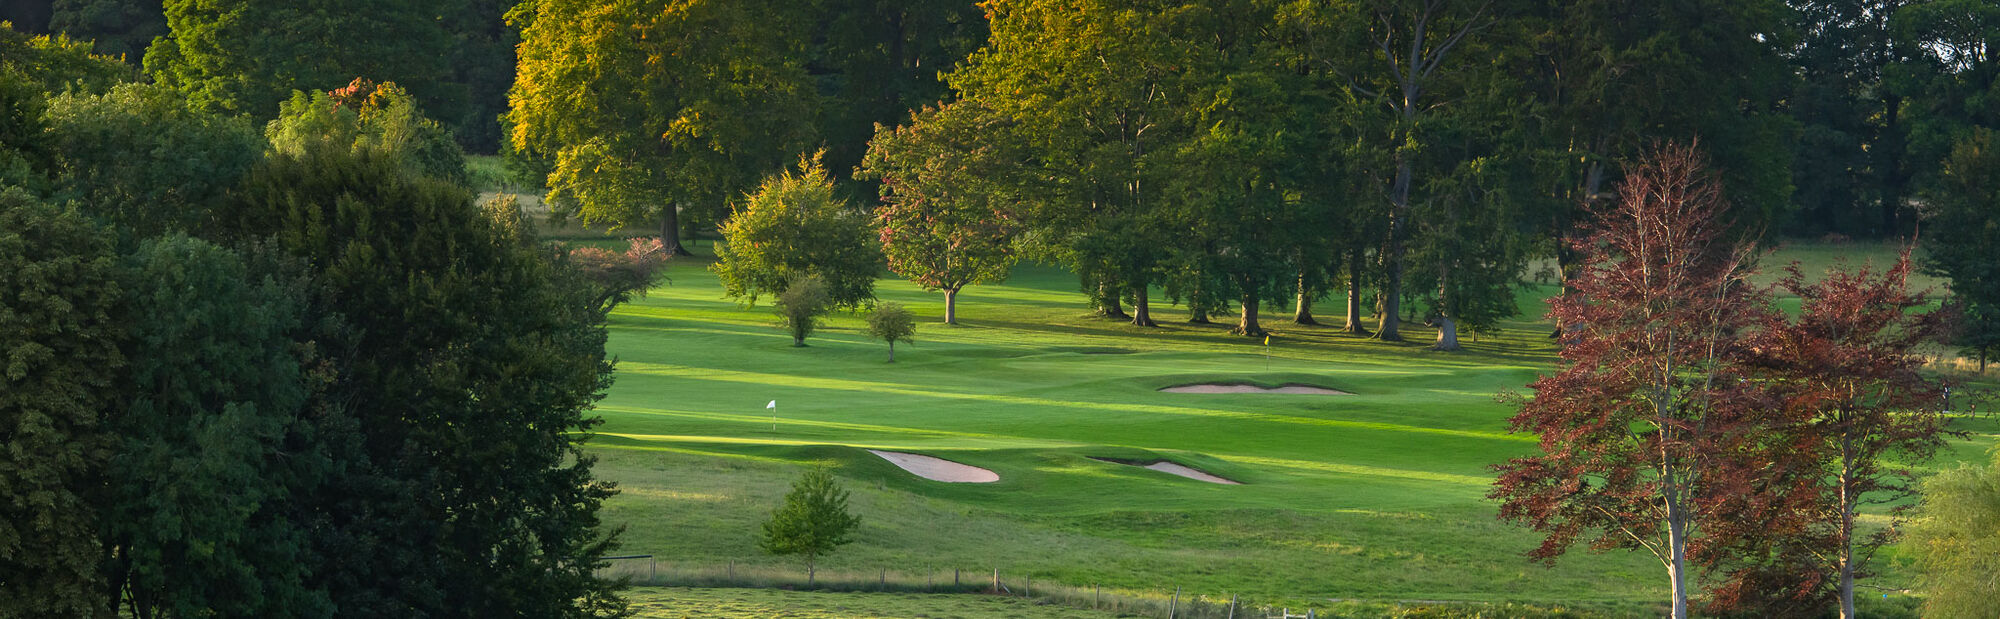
pixel 1176 603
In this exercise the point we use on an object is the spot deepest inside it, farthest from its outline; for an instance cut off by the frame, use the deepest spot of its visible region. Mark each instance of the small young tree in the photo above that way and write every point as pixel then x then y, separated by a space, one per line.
pixel 1956 536
pixel 1649 424
pixel 891 322
pixel 812 522
pixel 801 305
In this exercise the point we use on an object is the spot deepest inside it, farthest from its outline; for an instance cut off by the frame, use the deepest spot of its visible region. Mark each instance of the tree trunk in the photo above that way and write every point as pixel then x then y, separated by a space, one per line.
pixel 1197 310
pixel 1354 294
pixel 1303 314
pixel 950 312
pixel 1676 549
pixel 1447 334
pixel 1892 170
pixel 892 351
pixel 809 574
pixel 1142 313
pixel 1108 304
pixel 1847 502
pixel 1248 324
pixel 1391 293
pixel 1388 329
pixel 670 231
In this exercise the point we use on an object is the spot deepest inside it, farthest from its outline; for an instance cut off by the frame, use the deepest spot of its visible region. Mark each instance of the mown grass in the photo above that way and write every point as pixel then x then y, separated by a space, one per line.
pixel 1374 496
pixel 739 603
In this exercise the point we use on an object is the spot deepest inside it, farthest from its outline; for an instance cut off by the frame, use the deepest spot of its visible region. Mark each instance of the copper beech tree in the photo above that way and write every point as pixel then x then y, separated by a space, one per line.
pixel 1651 422
pixel 1855 410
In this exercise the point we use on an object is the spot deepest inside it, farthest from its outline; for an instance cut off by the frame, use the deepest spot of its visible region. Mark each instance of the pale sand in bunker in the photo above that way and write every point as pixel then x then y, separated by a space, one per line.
pixel 1173 468
pixel 1291 388
pixel 938 469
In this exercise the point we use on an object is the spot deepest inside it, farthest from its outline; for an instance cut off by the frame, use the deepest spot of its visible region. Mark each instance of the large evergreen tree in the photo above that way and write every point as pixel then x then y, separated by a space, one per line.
pixel 470 359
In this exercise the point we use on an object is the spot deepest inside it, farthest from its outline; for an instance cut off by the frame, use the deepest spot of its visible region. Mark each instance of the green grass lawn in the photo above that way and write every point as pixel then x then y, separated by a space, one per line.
pixel 776 604
pixel 1377 495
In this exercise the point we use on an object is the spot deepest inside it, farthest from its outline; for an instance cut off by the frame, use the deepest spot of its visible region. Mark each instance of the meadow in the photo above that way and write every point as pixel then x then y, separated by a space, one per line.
pixel 1374 496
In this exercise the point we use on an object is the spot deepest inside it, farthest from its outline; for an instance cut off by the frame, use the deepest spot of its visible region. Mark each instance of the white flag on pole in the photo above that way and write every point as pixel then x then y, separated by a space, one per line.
pixel 773 404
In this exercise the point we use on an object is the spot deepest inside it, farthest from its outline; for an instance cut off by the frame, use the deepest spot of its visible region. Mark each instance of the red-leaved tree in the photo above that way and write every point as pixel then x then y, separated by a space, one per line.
pixel 1651 424
pixel 1855 408
pixel 616 277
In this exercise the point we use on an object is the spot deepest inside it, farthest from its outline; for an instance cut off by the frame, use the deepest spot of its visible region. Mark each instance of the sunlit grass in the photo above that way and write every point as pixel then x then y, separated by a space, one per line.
pixel 1376 495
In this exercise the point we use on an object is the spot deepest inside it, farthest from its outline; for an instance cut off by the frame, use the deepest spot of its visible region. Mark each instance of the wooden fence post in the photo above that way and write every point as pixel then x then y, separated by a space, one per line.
pixel 652 571
pixel 1096 596
pixel 732 571
pixel 954 577
pixel 996 580
pixel 1028 590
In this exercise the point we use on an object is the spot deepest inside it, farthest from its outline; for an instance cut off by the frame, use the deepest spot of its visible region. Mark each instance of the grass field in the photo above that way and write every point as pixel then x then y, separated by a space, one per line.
pixel 1377 495
pixel 737 603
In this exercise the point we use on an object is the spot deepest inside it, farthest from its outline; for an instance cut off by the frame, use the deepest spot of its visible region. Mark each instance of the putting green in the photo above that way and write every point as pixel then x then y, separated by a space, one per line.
pixel 1374 495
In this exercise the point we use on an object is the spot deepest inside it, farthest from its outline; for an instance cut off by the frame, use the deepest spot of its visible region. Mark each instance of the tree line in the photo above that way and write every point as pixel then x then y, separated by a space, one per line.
pixel 289 370
pixel 1408 155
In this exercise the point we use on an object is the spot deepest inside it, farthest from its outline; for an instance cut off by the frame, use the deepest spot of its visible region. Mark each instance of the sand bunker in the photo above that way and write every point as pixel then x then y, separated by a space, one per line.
pixel 938 469
pixel 1292 388
pixel 1173 468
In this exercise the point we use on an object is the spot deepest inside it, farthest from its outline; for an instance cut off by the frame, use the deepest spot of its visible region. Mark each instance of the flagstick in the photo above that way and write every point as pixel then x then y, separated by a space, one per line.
pixel 774 416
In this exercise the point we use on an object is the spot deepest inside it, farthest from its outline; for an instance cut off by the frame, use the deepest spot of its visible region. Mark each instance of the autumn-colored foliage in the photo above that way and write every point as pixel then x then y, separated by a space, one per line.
pixel 619 276
pixel 1844 374
pixel 1651 425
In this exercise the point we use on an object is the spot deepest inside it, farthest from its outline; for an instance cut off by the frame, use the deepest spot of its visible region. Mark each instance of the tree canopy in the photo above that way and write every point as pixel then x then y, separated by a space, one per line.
pixel 632 140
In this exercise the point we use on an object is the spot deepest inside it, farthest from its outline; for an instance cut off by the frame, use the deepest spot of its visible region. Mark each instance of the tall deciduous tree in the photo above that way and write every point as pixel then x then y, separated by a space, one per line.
pixel 1417 45
pixel 58 360
pixel 796 225
pixel 655 112
pixel 1650 422
pixel 1846 374
pixel 1097 87
pixel 949 212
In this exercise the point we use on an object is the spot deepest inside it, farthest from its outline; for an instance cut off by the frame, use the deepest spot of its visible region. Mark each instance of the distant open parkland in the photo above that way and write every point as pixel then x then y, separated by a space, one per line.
pixel 1375 499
